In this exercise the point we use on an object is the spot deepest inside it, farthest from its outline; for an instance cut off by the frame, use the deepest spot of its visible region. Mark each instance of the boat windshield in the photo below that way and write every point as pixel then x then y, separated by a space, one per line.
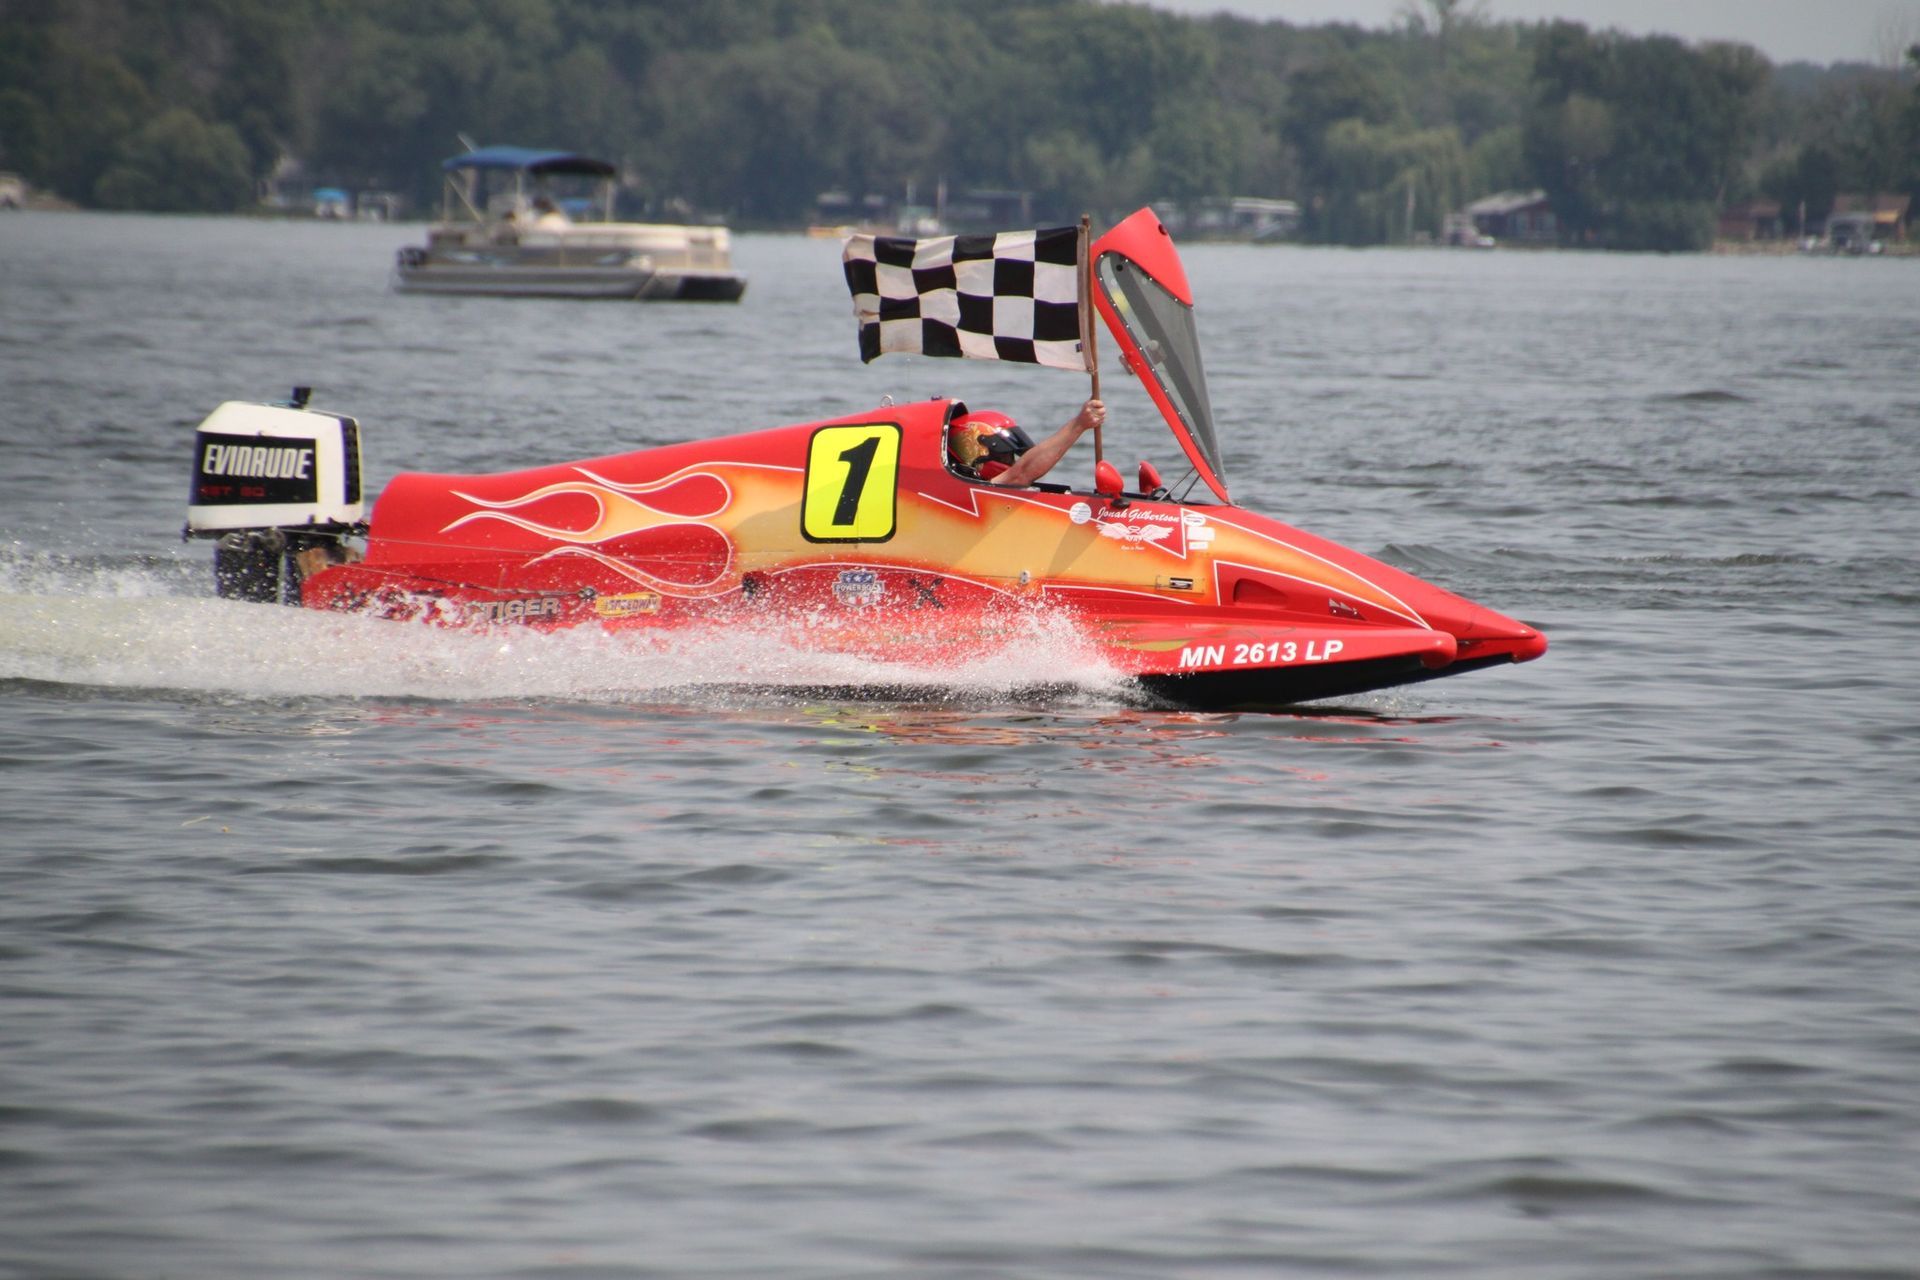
pixel 1163 328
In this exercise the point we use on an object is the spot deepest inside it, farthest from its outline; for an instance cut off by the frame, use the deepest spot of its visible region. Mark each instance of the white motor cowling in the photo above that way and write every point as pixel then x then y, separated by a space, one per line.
pixel 279 486
pixel 259 466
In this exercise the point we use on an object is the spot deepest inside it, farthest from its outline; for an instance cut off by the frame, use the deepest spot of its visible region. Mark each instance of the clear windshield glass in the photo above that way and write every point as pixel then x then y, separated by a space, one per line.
pixel 1163 327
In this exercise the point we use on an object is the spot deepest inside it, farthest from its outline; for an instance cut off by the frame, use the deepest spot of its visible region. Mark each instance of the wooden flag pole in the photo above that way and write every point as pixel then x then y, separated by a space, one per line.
pixel 1087 324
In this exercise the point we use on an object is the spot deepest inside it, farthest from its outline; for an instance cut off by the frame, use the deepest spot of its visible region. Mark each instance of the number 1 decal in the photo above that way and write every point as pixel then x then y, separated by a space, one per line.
pixel 850 483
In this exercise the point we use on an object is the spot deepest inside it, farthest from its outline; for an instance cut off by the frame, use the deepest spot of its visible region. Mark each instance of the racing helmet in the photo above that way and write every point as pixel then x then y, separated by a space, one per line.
pixel 974 439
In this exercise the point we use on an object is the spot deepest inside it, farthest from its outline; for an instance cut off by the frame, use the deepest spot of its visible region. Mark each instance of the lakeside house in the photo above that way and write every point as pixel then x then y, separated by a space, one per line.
pixel 838 213
pixel 985 210
pixel 1257 218
pixel 1860 221
pixel 1507 217
pixel 1750 222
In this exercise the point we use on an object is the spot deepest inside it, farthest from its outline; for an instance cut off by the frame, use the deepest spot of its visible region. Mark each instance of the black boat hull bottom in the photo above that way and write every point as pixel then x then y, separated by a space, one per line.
pixel 1287 686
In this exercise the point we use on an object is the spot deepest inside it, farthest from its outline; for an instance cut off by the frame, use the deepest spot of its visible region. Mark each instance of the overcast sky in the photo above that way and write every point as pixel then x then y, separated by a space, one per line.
pixel 1821 31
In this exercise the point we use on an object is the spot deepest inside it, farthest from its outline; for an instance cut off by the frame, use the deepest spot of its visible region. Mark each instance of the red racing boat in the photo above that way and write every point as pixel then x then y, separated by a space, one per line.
pixel 857 534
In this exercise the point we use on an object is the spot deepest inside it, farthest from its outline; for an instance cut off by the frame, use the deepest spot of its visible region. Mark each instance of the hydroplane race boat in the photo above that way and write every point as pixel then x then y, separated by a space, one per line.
pixel 859 533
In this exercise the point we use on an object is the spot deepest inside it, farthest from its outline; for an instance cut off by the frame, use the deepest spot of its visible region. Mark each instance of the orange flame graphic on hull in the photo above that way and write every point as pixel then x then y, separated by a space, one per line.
pixel 623 532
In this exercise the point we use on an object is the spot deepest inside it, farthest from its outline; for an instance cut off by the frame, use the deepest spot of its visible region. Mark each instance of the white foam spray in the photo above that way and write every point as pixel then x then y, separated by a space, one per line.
pixel 131 629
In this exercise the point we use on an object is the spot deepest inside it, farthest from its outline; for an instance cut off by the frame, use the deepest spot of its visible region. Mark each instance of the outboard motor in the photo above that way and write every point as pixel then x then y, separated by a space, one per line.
pixel 279 487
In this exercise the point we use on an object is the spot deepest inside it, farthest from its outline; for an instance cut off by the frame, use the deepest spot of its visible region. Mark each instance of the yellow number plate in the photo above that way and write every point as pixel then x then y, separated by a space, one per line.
pixel 850 483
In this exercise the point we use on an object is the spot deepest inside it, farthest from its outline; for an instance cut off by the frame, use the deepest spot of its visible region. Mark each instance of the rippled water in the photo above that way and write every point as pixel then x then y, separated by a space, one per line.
pixel 334 948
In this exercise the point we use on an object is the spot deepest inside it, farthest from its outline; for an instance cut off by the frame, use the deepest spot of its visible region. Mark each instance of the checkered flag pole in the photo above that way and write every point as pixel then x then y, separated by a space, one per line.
pixel 1010 295
pixel 1086 322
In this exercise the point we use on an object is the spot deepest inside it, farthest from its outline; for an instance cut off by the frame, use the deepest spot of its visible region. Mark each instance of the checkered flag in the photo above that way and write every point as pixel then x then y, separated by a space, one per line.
pixel 1013 295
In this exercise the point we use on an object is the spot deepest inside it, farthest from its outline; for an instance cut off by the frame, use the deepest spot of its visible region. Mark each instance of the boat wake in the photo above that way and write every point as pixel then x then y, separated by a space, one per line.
pixel 126 631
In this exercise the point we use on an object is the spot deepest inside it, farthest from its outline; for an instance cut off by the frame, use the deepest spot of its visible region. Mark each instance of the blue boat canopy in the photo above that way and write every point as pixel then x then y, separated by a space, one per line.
pixel 530 160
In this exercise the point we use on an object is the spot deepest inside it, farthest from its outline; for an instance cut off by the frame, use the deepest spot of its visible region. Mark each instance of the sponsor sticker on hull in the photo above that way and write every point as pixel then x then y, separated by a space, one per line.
pixel 523 610
pixel 631 604
pixel 856 588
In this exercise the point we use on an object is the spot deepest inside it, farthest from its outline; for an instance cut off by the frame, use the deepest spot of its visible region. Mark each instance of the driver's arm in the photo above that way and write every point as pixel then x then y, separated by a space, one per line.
pixel 1040 459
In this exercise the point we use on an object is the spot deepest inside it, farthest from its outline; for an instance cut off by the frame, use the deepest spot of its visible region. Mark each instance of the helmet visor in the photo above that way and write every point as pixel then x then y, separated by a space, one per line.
pixel 1006 444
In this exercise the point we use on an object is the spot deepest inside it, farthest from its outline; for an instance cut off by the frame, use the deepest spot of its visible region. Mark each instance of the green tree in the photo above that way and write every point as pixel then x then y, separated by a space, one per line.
pixel 799 115
pixel 25 132
pixel 1805 183
pixel 1568 147
pixel 1388 182
pixel 88 102
pixel 1335 103
pixel 178 163
pixel 1196 149
pixel 1496 162
pixel 753 106
pixel 1637 140
pixel 1060 167
pixel 1857 131
pixel 1109 69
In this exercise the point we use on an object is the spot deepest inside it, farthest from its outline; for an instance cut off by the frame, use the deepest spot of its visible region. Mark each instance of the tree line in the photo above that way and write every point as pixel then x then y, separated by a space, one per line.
pixel 751 108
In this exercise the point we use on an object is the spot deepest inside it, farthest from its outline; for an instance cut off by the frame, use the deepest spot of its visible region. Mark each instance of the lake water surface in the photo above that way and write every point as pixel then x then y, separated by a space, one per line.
pixel 339 949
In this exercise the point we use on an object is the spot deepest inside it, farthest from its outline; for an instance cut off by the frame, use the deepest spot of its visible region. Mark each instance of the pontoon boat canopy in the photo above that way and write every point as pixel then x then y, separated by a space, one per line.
pixel 529 160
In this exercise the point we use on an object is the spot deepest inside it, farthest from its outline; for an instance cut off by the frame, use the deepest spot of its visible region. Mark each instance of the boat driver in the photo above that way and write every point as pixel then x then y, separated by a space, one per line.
pixel 991 446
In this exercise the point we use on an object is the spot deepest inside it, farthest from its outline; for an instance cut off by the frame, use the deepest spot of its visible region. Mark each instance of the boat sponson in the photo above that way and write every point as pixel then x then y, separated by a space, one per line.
pixel 1269 687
